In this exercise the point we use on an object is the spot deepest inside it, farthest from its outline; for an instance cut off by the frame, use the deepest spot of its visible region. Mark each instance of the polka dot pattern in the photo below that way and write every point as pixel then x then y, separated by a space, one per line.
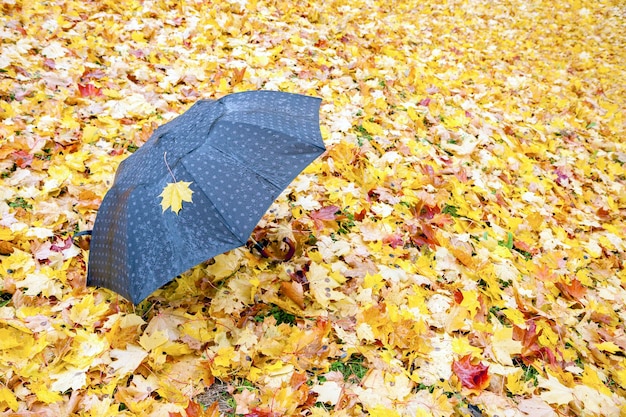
pixel 239 152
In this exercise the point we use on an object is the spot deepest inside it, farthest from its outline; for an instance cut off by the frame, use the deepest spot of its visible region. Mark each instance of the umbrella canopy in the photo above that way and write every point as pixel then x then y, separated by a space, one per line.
pixel 239 153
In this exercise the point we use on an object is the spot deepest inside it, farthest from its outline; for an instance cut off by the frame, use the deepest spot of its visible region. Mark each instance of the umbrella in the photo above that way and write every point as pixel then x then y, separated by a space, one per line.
pixel 239 153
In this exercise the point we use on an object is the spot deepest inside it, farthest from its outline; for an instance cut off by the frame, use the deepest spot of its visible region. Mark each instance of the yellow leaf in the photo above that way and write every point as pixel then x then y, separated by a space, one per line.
pixel 85 347
pixel 6 234
pixel 547 337
pixel 381 411
pixel 90 133
pixel 470 301
pixel 224 357
pixel 554 391
pixel 131 320
pixel 462 346
pixel 175 349
pixel 373 281
pixel 516 384
pixel 7 396
pixel 225 264
pixel 44 394
pixel 86 312
pixel 138 37
pixel 174 194
pixel 608 347
pixel 69 378
pixel 6 110
pixel 153 340
pixel 111 93
pixel 69 120
pixel 504 347
pixel 8 338
pixel 515 316
pixel 372 128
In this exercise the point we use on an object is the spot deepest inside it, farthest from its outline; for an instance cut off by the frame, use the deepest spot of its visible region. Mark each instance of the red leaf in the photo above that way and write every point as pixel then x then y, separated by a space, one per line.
pixel 61 245
pixel 22 158
pixel 423 235
pixel 471 376
pixel 324 214
pixel 89 90
pixel 458 297
pixel 531 349
pixel 525 247
pixel 394 240
pixel 257 412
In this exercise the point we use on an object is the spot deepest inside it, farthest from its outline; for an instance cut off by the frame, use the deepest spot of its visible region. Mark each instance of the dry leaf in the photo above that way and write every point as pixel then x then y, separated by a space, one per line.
pixel 174 194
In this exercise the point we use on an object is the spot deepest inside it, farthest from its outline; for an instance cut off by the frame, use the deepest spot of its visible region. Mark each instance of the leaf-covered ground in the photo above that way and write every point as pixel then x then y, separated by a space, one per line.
pixel 459 249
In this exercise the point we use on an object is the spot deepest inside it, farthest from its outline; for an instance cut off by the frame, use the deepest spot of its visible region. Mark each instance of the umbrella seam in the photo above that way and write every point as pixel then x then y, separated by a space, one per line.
pixel 240 164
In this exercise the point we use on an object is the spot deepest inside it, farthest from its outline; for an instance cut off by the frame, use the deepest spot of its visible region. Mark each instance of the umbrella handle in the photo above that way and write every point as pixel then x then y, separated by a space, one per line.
pixel 79 234
pixel 83 233
pixel 266 253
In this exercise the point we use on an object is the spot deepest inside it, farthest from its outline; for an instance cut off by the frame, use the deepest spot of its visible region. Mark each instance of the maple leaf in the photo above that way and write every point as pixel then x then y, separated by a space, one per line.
pixel 174 194
pixel 574 290
pixel 471 376
pixel 89 90
pixel 127 360
pixel 554 391
pixel 69 378
pixel 324 214
pixel 8 397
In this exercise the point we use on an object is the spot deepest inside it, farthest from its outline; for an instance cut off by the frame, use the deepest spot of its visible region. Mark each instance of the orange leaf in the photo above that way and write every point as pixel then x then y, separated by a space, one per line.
pixel 471 376
pixel 213 410
pixel 237 75
pixel 294 291
pixel 574 291
pixel 194 409
pixel 89 90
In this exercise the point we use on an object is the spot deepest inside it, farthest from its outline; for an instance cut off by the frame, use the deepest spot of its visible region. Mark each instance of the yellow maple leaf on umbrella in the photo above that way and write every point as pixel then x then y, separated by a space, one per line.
pixel 174 194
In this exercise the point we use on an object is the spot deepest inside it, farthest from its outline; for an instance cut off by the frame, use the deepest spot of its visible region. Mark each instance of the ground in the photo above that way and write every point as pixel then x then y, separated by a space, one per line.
pixel 459 248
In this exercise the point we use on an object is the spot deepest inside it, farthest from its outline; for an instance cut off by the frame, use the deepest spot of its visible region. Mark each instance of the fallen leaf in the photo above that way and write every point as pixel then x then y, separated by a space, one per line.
pixel 125 361
pixel 294 291
pixel 472 376
pixel 174 194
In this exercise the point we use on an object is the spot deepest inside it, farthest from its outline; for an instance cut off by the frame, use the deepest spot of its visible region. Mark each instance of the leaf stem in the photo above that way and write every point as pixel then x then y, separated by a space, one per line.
pixel 168 166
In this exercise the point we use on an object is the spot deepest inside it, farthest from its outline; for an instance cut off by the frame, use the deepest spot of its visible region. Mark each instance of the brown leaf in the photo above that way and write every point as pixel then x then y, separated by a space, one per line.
pixel 294 291
pixel 6 248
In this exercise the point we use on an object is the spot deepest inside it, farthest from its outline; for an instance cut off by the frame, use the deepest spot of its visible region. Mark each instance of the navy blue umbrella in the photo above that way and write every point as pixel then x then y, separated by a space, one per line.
pixel 239 153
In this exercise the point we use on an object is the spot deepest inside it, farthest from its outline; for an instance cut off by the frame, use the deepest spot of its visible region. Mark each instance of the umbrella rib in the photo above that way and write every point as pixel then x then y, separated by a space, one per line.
pixel 245 167
pixel 287 114
pixel 226 223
